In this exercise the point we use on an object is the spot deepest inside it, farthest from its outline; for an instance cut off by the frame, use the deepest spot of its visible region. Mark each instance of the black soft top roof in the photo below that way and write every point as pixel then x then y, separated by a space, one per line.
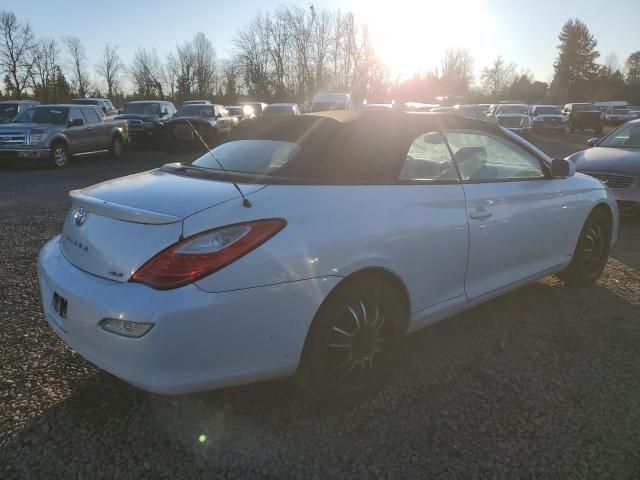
pixel 352 146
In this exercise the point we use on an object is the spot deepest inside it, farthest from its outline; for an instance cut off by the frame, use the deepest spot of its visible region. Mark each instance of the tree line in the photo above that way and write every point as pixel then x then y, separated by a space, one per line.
pixel 289 54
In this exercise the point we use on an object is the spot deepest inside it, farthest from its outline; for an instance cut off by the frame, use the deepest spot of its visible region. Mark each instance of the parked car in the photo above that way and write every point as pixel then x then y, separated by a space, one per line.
pixel 103 104
pixel 617 115
pixel 470 111
pixel 603 106
pixel 281 109
pixel 146 118
pixel 548 118
pixel 10 108
pixel 375 106
pixel 196 102
pixel 58 132
pixel 253 109
pixel 634 112
pixel 325 239
pixel 583 116
pixel 615 161
pixel 513 116
pixel 237 114
pixel 194 123
pixel 323 102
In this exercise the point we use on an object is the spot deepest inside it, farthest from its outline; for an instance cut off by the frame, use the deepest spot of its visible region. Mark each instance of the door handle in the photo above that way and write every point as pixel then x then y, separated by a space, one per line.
pixel 480 214
pixel 88 128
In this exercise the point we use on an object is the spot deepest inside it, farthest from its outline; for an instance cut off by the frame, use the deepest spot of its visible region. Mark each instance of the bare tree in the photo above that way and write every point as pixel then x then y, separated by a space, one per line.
pixel 109 68
pixel 78 65
pixel 496 78
pixel 16 48
pixel 204 66
pixel 172 70
pixel 612 62
pixel 43 72
pixel 457 70
pixel 147 73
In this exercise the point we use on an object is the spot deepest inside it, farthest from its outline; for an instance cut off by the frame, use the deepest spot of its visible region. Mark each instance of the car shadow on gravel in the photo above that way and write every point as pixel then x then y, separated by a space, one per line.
pixel 536 381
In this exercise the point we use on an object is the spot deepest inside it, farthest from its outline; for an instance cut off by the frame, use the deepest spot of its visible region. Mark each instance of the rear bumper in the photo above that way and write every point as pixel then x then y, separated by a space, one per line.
pixel 199 341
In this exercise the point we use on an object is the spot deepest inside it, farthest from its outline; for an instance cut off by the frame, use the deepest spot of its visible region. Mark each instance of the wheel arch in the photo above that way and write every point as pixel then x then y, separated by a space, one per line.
pixel 60 139
pixel 389 277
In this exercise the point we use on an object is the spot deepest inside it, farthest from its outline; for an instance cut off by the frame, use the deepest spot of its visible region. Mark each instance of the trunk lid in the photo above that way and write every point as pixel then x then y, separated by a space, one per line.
pixel 114 227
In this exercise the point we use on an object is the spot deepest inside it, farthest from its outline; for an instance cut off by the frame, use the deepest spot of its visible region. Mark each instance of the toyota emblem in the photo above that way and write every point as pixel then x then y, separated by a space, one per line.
pixel 79 216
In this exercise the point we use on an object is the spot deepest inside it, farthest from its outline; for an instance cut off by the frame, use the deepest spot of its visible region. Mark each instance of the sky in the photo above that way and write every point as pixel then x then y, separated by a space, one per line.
pixel 408 35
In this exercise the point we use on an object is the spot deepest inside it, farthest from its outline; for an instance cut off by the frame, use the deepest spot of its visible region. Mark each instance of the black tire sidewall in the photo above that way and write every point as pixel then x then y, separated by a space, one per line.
pixel 575 274
pixel 113 150
pixel 314 361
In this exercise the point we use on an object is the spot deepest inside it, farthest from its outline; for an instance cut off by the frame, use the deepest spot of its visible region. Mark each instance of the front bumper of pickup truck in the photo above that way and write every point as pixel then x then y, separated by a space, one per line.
pixel 23 154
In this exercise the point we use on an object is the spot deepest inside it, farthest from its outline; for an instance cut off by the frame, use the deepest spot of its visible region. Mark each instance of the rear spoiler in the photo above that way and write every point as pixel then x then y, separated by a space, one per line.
pixel 120 212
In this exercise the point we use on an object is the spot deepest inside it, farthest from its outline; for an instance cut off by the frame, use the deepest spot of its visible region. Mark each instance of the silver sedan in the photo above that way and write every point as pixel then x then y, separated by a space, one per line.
pixel 615 161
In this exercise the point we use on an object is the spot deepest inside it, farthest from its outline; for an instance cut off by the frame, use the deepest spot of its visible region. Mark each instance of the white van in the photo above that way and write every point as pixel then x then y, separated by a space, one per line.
pixel 602 106
pixel 323 102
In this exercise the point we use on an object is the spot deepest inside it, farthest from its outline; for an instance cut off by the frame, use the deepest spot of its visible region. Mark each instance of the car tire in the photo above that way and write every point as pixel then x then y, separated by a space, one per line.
pixel 60 157
pixel 117 147
pixel 352 342
pixel 591 253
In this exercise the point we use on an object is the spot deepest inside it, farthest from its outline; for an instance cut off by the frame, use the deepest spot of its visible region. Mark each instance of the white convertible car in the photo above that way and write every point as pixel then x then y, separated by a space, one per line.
pixel 321 242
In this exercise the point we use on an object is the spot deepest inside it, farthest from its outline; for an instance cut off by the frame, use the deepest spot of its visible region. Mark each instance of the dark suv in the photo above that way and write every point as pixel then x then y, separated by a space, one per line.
pixel 583 116
pixel 146 118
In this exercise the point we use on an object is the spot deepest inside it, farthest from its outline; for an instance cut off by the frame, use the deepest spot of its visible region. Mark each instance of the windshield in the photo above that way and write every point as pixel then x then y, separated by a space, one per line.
pixel 142 108
pixel 582 107
pixel 514 110
pixel 57 115
pixel 627 136
pixel 195 110
pixel 547 111
pixel 277 110
pixel 8 110
pixel 261 157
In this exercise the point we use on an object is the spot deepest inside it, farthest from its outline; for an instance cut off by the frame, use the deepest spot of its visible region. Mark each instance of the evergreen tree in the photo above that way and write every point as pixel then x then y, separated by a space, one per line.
pixel 575 68
pixel 632 67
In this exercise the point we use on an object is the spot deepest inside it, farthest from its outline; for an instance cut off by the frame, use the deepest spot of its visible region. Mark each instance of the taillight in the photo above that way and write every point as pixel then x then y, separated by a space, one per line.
pixel 205 253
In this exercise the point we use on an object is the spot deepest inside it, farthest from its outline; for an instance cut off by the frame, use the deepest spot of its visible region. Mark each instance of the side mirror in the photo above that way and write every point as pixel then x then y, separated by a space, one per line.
pixel 561 168
pixel 219 115
pixel 592 142
pixel 76 122
pixel 104 109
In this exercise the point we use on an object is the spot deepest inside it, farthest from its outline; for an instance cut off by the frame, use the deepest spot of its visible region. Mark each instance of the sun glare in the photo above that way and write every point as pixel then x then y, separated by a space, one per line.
pixel 410 36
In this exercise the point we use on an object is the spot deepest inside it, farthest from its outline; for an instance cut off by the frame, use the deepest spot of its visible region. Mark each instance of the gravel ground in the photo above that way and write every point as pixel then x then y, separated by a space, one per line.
pixel 541 383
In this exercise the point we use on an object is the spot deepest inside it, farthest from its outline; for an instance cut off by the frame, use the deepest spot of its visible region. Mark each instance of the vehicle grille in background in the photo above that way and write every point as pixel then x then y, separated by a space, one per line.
pixel 614 181
pixel 135 126
pixel 13 138
pixel 509 121
pixel 627 206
